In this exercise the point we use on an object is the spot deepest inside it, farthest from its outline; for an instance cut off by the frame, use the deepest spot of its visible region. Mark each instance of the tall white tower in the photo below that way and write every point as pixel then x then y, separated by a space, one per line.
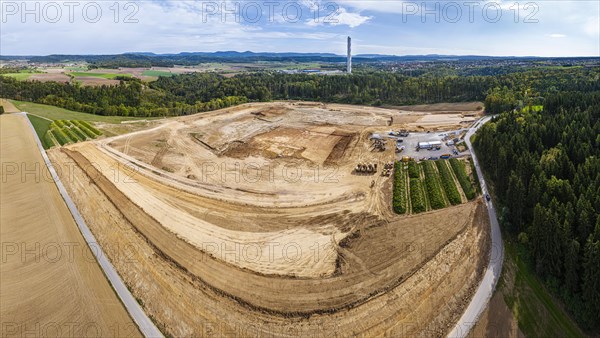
pixel 349 60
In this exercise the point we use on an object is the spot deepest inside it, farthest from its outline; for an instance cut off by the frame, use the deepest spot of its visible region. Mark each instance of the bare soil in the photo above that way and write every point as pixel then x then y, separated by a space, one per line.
pixel 50 282
pixel 267 253
pixel 95 81
pixel 8 106
pixel 46 77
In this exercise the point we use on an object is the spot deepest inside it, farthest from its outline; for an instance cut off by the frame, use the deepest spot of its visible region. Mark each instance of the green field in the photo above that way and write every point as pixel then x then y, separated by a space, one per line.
pixel 157 73
pixel 21 76
pixel 109 76
pixel 41 127
pixel 76 69
pixel 56 113
pixel 537 313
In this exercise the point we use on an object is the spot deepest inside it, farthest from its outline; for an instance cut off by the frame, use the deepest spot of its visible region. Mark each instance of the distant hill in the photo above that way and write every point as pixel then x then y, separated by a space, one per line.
pixel 148 59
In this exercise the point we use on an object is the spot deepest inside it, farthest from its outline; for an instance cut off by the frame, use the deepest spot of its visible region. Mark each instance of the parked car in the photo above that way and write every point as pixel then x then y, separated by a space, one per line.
pixel 487 197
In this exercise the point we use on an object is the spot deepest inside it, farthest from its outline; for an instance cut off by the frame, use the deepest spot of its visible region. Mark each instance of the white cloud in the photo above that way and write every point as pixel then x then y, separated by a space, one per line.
pixel 386 6
pixel 340 18
pixel 557 36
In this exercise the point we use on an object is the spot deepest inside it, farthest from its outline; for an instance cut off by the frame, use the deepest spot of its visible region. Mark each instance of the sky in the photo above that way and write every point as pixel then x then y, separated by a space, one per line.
pixel 489 27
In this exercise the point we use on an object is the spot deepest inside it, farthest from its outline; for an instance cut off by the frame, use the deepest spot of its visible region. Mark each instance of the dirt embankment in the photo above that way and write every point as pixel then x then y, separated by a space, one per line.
pixel 236 300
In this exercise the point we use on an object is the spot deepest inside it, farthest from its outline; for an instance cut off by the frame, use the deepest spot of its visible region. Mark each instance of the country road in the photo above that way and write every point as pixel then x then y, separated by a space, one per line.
pixel 134 309
pixel 488 283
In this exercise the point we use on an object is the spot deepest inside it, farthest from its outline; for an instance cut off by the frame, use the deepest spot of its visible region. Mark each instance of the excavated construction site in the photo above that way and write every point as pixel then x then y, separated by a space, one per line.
pixel 252 221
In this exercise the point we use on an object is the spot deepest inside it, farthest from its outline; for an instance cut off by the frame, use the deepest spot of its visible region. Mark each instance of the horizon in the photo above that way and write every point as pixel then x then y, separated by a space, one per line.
pixel 324 54
pixel 399 28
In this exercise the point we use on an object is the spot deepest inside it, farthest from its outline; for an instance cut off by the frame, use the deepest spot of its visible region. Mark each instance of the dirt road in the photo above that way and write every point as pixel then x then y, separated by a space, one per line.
pixel 8 106
pixel 50 282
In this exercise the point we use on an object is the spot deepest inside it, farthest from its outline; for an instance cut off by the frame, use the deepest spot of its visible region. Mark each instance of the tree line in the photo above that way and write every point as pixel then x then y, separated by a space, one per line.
pixel 545 169
pixel 192 93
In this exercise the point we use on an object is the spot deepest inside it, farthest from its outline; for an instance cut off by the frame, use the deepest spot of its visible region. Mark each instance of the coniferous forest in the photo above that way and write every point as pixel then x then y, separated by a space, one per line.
pixel 545 169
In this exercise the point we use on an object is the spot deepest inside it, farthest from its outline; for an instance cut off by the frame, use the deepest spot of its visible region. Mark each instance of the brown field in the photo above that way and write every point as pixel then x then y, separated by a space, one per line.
pixel 250 220
pixel 50 283
pixel 46 77
pixel 8 106
pixel 95 81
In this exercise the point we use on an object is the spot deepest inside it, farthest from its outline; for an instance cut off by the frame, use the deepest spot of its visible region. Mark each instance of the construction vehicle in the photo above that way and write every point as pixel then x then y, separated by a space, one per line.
pixel 387 169
pixel 379 144
pixel 366 168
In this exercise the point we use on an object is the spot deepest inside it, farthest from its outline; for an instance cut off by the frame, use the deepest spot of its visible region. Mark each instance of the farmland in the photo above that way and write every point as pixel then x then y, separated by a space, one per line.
pixel 156 73
pixel 61 132
pixel 171 189
pixel 21 76
pixel 109 76
pixel 43 292
pixel 432 185
pixel 42 126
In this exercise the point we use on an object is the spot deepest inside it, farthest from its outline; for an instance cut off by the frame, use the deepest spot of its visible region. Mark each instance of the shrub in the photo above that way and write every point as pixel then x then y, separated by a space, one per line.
pixel 448 183
pixel 417 196
pixel 413 170
pixel 475 177
pixel 461 175
pixel 400 189
pixel 89 133
pixel 433 185
pixel 71 134
pixel 80 134
pixel 90 127
pixel 60 136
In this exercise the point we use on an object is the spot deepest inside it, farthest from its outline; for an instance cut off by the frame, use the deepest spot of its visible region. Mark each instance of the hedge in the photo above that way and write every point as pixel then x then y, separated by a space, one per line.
pixel 433 185
pixel 89 133
pixel 79 133
pixel 475 176
pixel 90 127
pixel 400 189
pixel 71 134
pixel 60 136
pixel 413 170
pixel 417 196
pixel 448 183
pixel 461 175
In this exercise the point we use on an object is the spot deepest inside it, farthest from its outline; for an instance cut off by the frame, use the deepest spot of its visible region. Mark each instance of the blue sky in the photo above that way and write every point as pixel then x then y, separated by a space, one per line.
pixel 540 28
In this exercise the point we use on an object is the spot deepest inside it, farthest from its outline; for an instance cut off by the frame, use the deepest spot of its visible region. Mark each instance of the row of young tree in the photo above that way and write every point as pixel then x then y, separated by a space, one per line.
pixel 545 169
pixel 198 92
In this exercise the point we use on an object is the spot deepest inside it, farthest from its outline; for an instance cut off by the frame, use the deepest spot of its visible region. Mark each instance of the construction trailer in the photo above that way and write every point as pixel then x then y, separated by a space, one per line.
pixel 436 144
pixel 424 145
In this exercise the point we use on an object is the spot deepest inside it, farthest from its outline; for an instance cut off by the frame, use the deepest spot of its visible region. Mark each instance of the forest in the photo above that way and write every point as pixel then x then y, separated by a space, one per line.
pixel 545 169
pixel 192 93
